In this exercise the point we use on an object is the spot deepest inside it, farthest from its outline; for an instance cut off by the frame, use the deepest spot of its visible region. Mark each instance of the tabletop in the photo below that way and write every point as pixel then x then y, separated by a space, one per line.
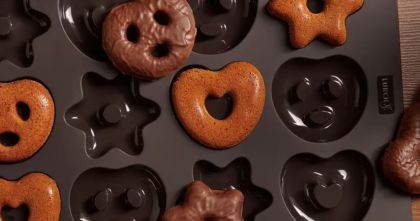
pixel 410 58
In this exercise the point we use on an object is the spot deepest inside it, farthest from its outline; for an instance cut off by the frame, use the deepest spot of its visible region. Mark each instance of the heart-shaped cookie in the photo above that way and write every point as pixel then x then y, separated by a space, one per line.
pixel 38 192
pixel 241 81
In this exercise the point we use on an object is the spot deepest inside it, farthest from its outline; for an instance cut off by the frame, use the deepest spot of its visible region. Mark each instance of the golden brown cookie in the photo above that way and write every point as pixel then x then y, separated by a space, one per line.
pixel 37 191
pixel 305 26
pixel 202 203
pixel 149 39
pixel 242 81
pixel 401 162
pixel 26 119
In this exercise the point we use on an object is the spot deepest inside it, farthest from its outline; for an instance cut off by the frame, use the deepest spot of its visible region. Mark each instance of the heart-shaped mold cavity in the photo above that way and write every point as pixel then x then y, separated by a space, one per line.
pixel 132 193
pixel 115 120
pixel 236 175
pixel 20 213
pixel 320 100
pixel 82 22
pixel 338 188
pixel 19 25
pixel 222 24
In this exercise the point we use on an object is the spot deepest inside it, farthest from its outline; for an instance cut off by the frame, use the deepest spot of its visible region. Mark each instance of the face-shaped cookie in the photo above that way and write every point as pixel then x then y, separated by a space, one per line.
pixel 222 24
pixel 320 100
pixel 26 116
pixel 132 193
pixel 338 188
pixel 38 192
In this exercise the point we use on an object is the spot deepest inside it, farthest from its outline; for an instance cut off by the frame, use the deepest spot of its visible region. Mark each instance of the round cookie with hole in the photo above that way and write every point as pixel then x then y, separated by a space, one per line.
pixel 241 81
pixel 149 39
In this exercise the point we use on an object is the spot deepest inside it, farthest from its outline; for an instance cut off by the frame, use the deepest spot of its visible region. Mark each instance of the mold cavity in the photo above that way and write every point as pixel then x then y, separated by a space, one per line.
pixel 9 139
pixel 160 51
pixel 162 18
pixel 222 25
pixel 15 214
pixel 219 108
pixel 23 111
pixel 133 33
pixel 113 121
pixel 329 106
pixel 134 192
pixel 257 199
pixel 338 188
pixel 19 26
pixel 315 6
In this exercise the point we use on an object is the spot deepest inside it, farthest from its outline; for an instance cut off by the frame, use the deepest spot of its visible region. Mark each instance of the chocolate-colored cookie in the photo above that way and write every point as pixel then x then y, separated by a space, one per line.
pixel 26 119
pixel 37 191
pixel 149 39
pixel 305 26
pixel 242 81
pixel 202 203
pixel 401 162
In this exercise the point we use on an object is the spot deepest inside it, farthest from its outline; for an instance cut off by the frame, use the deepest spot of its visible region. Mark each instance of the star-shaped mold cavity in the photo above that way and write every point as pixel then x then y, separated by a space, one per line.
pixel 236 175
pixel 19 25
pixel 112 114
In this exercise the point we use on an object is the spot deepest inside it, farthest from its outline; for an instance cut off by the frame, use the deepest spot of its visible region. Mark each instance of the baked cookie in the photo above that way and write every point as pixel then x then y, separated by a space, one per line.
pixel 242 81
pixel 26 119
pixel 37 191
pixel 401 163
pixel 305 26
pixel 202 203
pixel 149 39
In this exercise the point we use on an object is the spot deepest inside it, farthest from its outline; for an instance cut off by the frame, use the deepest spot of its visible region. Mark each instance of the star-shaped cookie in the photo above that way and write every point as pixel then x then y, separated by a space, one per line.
pixel 305 26
pixel 202 203
pixel 236 175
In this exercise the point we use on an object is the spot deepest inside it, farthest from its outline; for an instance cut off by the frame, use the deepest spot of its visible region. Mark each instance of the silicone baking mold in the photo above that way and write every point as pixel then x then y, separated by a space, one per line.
pixel 117 150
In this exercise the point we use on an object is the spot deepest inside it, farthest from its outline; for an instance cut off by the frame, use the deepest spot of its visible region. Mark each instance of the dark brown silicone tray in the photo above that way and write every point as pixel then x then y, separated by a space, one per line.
pixel 118 152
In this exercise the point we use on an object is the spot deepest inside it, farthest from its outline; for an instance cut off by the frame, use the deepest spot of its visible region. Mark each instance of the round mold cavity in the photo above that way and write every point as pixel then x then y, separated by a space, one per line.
pixel 82 22
pixel 238 171
pixel 222 24
pixel 115 120
pixel 131 193
pixel 320 100
pixel 337 188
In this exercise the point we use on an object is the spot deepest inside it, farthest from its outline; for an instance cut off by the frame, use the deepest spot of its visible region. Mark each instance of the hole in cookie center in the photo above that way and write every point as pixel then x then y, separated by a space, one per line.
pixel 9 139
pixel 15 214
pixel 23 111
pixel 160 50
pixel 219 108
pixel 162 18
pixel 133 33
pixel 315 6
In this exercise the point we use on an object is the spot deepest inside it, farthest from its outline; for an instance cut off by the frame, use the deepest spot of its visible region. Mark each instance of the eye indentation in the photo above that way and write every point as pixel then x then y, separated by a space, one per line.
pixel 23 111
pixel 133 34
pixel 162 18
